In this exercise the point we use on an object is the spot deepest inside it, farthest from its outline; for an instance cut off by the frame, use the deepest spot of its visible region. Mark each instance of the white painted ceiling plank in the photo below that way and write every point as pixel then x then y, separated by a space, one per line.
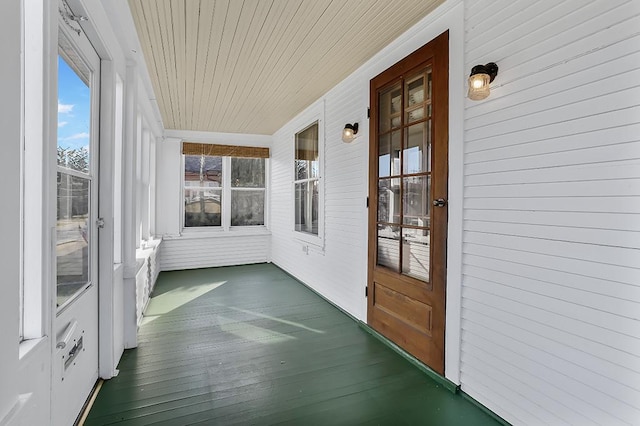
pixel 217 26
pixel 228 35
pixel 258 57
pixel 249 66
pixel 191 15
pixel 239 95
pixel 204 57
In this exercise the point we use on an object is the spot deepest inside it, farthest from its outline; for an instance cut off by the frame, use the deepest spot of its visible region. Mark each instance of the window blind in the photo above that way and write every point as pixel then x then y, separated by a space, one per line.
pixel 191 148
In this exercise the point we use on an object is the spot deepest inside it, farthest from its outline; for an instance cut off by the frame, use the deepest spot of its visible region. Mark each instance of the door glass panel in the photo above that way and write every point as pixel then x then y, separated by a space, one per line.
pixel 415 99
pixel 417 152
pixel 396 149
pixel 390 107
pixel 74 181
pixel 415 253
pixel 384 155
pixel 74 112
pixel 389 200
pixel 404 182
pixel 389 247
pixel 389 148
pixel 415 203
pixel 72 236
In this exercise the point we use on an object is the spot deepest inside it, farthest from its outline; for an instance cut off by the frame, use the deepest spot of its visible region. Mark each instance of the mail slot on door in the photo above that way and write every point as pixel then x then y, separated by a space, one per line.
pixel 73 353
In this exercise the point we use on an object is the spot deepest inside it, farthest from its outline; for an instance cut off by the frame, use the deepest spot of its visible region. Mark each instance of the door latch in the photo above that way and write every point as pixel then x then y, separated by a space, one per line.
pixel 440 202
pixel 100 222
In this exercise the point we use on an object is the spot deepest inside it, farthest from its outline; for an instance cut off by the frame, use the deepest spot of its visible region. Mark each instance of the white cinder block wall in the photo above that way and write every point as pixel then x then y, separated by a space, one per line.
pixel 551 286
pixel 550 221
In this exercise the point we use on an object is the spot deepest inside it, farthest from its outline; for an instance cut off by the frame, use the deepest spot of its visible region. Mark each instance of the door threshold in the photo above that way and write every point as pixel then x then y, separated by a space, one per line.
pixel 82 417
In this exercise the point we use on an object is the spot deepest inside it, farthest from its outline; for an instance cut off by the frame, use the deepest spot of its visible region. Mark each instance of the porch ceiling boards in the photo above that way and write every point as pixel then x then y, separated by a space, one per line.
pixel 250 345
pixel 249 66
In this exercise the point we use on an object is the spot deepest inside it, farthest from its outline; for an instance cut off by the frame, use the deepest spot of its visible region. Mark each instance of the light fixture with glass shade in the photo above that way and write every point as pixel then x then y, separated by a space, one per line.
pixel 481 76
pixel 349 132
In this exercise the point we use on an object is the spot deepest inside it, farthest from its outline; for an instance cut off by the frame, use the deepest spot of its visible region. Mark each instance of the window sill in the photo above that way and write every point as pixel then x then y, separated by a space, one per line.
pixel 189 234
pixel 309 242
pixel 29 346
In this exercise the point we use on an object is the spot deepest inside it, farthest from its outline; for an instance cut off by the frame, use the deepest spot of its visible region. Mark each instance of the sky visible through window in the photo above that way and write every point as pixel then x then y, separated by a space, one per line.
pixel 74 109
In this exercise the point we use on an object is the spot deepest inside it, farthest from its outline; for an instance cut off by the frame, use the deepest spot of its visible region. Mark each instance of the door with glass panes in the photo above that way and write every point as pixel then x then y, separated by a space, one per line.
pixel 75 351
pixel 408 202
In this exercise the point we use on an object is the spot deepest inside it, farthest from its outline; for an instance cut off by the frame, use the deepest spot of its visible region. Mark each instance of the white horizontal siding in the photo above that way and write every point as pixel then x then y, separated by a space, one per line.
pixel 551 242
pixel 197 252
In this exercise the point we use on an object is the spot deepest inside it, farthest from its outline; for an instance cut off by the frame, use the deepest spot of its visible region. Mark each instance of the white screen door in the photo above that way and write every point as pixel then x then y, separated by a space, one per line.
pixel 75 355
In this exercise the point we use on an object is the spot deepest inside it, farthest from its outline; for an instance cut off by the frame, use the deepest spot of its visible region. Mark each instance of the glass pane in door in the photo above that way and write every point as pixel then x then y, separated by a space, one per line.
pixel 415 99
pixel 389 247
pixel 415 201
pixel 72 236
pixel 390 108
pixel 417 152
pixel 389 200
pixel 74 180
pixel 415 253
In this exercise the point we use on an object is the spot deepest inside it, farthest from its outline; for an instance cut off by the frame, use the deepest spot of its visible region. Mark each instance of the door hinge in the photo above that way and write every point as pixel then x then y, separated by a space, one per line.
pixel 367 202
pixel 366 291
pixel 368 112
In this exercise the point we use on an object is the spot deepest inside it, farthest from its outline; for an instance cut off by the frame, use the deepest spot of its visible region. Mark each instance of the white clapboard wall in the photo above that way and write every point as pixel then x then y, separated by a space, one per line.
pixel 148 261
pixel 551 253
pixel 190 252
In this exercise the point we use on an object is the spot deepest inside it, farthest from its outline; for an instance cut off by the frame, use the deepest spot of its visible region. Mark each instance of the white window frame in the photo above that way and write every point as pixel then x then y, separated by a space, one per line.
pixel 225 221
pixel 316 115
pixel 34 110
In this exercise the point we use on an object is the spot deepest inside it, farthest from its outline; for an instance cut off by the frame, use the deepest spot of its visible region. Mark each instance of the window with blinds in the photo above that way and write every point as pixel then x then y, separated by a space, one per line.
pixel 224 185
pixel 306 179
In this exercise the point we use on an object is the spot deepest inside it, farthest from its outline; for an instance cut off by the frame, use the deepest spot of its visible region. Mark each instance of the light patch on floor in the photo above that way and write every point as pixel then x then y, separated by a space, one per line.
pixel 251 332
pixel 295 324
pixel 173 299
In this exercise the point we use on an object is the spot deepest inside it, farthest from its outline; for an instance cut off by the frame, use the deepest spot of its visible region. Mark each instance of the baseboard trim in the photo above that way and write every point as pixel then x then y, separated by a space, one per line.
pixel 484 409
pixel 443 381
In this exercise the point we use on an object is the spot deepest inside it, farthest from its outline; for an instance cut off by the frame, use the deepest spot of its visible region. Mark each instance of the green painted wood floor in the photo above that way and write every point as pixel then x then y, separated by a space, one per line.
pixel 251 345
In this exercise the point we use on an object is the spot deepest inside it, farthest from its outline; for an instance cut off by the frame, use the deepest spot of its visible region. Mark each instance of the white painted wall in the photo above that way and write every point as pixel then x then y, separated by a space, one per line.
pixel 10 116
pixel 551 298
pixel 191 248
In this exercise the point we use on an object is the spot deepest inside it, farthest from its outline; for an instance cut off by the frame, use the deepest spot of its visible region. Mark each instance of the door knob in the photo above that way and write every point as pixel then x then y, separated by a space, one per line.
pixel 440 202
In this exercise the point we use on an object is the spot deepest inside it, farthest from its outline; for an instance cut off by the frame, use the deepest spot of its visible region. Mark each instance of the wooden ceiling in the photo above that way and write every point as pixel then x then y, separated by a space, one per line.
pixel 249 66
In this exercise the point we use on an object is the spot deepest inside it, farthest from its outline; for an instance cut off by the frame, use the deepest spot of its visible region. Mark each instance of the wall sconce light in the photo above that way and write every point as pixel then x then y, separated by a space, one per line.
pixel 349 132
pixel 481 76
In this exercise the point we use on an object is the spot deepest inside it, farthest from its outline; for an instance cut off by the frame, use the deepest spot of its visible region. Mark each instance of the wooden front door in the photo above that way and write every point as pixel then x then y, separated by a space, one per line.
pixel 408 163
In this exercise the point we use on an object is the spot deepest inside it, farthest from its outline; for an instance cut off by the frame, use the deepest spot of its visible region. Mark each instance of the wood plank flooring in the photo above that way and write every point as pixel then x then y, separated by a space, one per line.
pixel 251 345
